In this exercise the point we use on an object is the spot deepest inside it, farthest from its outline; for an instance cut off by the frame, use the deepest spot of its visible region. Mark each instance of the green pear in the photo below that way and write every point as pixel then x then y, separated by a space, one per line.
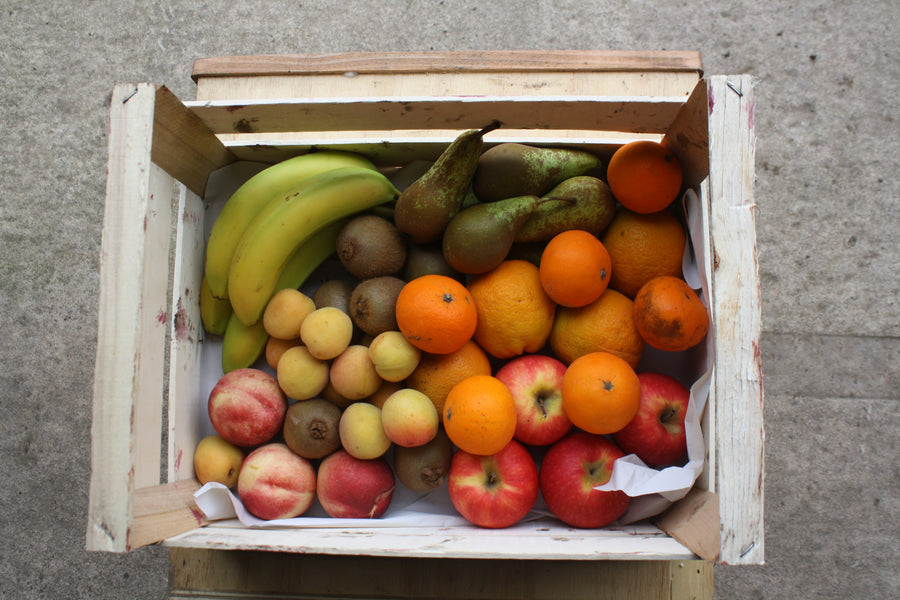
pixel 508 170
pixel 424 208
pixel 591 207
pixel 479 238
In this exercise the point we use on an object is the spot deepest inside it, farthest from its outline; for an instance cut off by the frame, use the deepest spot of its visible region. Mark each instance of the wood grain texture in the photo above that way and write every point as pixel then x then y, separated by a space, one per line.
pixel 234 574
pixel 162 511
pixel 736 312
pixel 510 61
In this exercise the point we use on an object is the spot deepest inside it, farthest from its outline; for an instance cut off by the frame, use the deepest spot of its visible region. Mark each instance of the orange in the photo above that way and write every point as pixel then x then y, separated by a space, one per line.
pixel 436 313
pixel 643 247
pixel 669 315
pixel 479 415
pixel 644 176
pixel 607 325
pixel 436 374
pixel 515 314
pixel 600 393
pixel 575 268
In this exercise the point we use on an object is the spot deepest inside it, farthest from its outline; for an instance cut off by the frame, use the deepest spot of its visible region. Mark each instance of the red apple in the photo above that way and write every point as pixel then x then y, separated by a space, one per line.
pixel 656 433
pixel 493 491
pixel 275 483
pixel 535 381
pixel 247 407
pixel 354 488
pixel 570 470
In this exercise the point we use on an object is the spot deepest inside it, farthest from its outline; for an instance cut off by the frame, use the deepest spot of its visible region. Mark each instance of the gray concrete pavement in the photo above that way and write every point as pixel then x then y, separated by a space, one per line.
pixel 828 198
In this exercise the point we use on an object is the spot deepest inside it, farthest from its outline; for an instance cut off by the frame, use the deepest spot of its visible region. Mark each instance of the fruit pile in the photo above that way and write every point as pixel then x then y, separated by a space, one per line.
pixel 492 310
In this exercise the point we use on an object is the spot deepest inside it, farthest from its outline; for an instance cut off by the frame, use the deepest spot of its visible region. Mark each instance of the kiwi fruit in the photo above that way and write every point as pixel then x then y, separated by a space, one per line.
pixel 311 428
pixel 334 292
pixel 423 468
pixel 427 259
pixel 371 246
pixel 373 304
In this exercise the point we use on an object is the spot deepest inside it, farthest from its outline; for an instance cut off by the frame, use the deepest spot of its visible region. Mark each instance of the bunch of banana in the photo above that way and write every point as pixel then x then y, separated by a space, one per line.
pixel 269 184
pixel 242 345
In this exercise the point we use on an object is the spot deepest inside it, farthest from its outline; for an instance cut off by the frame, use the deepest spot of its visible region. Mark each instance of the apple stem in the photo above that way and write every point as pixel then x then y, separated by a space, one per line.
pixel 667 415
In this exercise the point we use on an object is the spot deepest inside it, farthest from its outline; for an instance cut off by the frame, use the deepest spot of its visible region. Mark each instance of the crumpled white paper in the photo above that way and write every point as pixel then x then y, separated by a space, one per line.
pixel 651 490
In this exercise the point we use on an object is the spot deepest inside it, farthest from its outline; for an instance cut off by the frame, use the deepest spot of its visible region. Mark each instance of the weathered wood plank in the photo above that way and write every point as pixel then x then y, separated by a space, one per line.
pixel 163 511
pixel 511 61
pixel 131 323
pixel 736 318
pixel 221 574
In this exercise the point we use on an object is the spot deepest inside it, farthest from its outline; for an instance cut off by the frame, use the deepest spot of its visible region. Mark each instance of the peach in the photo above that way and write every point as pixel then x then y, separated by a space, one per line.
pixel 361 431
pixel 285 312
pixel 393 356
pixel 327 332
pixel 300 374
pixel 275 483
pixel 348 487
pixel 217 460
pixel 247 407
pixel 353 374
pixel 410 418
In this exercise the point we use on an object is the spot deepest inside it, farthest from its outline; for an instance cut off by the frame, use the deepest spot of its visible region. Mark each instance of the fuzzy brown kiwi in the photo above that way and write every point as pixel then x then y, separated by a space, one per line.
pixel 423 468
pixel 373 304
pixel 371 246
pixel 427 259
pixel 311 428
pixel 334 292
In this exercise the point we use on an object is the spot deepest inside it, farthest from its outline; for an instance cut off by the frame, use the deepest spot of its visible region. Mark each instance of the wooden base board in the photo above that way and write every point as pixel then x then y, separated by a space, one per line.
pixel 224 574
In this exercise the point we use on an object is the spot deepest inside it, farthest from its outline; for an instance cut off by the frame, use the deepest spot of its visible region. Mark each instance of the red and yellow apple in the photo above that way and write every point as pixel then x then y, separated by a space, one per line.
pixel 570 470
pixel 276 483
pixel 247 407
pixel 535 381
pixel 493 491
pixel 656 433
pixel 348 487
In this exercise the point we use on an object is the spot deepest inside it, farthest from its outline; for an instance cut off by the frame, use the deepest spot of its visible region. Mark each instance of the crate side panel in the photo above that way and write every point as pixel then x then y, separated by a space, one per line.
pixel 186 337
pixel 573 83
pixel 600 113
pixel 119 355
pixel 736 313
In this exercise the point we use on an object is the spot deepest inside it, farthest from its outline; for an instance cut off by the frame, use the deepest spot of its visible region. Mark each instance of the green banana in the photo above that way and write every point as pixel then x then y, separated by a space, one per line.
pixel 253 195
pixel 242 345
pixel 214 313
pixel 287 222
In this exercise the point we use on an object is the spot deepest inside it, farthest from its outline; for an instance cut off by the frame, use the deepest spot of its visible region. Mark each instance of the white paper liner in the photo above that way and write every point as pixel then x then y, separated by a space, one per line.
pixel 651 490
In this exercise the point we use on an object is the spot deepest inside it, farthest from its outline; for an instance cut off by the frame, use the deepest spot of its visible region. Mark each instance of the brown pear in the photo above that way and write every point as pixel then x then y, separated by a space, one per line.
pixel 423 209
pixel 479 238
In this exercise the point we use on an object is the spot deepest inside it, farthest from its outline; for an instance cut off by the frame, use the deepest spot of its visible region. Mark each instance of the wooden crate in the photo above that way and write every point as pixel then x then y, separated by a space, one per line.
pixel 396 107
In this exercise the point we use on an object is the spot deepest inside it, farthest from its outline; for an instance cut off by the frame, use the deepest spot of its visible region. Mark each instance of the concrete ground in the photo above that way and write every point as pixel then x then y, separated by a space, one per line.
pixel 828 198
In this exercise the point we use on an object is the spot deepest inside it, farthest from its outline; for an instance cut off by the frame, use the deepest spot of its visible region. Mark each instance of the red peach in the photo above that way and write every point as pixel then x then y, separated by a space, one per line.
pixel 247 407
pixel 275 483
pixel 348 487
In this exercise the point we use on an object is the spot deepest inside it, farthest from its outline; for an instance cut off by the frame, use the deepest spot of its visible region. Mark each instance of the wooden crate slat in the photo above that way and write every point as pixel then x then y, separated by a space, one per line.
pixel 163 511
pixel 128 366
pixel 183 145
pixel 512 61
pixel 600 113
pixel 736 314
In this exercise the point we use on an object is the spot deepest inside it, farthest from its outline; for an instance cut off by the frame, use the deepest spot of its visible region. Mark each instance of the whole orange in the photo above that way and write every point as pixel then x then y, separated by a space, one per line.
pixel 669 315
pixel 642 247
pixel 600 393
pixel 575 268
pixel 607 325
pixel 436 374
pixel 644 176
pixel 436 313
pixel 480 415
pixel 515 314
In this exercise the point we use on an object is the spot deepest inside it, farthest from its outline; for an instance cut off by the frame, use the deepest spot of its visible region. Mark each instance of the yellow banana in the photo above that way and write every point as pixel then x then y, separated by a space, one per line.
pixel 286 223
pixel 243 345
pixel 214 313
pixel 253 195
